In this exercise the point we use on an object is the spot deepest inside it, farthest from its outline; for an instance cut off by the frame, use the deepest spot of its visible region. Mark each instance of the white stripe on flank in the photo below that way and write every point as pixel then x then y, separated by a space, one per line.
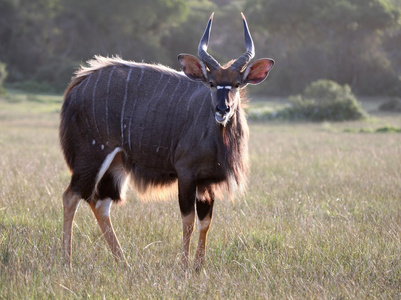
pixel 206 127
pixel 83 102
pixel 170 105
pixel 105 165
pixel 227 87
pixel 107 102
pixel 156 86
pixel 175 115
pixel 123 109
pixel 134 107
pixel 194 95
pixel 150 101
pixel 201 109
pixel 93 103
pixel 88 79
pixel 161 94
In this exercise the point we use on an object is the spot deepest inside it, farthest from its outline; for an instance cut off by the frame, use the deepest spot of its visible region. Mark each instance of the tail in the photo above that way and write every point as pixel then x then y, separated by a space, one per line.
pixel 68 129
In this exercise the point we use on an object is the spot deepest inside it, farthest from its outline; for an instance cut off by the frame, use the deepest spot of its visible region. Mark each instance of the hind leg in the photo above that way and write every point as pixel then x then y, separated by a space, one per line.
pixel 110 187
pixel 204 209
pixel 101 209
pixel 70 202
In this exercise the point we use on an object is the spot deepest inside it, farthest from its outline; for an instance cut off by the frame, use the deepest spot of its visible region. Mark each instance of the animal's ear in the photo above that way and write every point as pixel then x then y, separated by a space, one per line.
pixel 193 67
pixel 257 71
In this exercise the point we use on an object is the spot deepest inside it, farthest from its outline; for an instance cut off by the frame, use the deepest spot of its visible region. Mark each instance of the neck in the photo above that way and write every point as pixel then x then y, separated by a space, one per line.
pixel 233 150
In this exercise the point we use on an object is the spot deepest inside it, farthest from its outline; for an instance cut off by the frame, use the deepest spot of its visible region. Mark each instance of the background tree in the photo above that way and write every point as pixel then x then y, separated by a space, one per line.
pixel 354 42
pixel 46 40
pixel 338 40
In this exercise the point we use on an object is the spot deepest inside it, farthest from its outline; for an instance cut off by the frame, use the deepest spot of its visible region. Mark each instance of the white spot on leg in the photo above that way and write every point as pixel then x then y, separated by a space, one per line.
pixel 189 219
pixel 103 207
pixel 98 203
pixel 204 224
pixel 93 142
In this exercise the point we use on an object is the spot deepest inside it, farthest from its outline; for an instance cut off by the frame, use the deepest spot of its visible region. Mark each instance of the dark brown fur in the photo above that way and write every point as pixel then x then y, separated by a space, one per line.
pixel 152 125
pixel 225 150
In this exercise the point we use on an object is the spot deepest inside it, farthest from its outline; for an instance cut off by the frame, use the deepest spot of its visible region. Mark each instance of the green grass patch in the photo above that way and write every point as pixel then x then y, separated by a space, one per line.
pixel 320 220
pixel 385 129
pixel 15 101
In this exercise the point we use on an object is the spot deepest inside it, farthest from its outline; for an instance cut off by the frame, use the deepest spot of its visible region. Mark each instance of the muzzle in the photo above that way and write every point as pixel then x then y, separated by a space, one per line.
pixel 222 114
pixel 222 111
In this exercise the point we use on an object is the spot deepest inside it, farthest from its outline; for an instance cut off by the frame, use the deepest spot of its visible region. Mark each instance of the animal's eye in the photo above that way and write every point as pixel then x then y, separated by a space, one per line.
pixel 237 85
pixel 211 84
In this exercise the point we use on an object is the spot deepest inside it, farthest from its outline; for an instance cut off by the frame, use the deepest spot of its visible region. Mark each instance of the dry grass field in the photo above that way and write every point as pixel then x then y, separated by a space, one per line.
pixel 321 219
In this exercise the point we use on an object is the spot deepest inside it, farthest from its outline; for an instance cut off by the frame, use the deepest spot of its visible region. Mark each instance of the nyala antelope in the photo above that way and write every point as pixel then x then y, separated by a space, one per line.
pixel 148 124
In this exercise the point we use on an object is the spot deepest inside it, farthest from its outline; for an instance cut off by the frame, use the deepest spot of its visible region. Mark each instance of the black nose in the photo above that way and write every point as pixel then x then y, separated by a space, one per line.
pixel 223 109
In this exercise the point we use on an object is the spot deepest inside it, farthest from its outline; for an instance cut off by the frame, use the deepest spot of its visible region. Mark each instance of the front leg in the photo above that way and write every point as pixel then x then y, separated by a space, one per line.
pixel 186 197
pixel 204 209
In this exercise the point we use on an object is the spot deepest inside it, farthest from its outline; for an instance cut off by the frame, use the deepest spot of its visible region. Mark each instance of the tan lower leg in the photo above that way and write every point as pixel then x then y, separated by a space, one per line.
pixel 70 202
pixel 102 213
pixel 187 229
pixel 201 249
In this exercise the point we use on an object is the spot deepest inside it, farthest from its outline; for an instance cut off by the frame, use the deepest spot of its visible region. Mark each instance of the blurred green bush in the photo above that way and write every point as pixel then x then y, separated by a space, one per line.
pixel 322 100
pixel 326 100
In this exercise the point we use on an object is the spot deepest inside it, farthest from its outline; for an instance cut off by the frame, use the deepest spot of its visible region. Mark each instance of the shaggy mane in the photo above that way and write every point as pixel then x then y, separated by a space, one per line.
pixel 98 62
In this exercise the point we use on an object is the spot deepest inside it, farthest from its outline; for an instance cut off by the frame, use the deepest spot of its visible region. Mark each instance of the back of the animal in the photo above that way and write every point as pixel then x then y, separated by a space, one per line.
pixel 135 108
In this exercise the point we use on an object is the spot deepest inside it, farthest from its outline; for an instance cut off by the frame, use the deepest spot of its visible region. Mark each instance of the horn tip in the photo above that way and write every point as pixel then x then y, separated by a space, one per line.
pixel 211 16
pixel 243 16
